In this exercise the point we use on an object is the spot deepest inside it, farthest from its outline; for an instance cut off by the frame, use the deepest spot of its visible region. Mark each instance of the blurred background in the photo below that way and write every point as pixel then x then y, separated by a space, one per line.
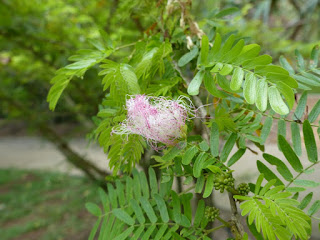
pixel 46 163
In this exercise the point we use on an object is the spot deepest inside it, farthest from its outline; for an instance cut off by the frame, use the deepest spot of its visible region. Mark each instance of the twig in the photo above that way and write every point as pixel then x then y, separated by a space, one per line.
pixel 236 228
pixel 301 173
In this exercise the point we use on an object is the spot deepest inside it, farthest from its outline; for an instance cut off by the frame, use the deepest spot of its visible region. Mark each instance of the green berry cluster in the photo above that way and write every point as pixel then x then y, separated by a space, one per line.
pixel 223 181
pixel 211 213
pixel 243 189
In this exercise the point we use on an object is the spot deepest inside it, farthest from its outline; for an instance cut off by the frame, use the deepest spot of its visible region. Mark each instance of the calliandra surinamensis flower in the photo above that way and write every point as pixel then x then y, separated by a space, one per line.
pixel 156 118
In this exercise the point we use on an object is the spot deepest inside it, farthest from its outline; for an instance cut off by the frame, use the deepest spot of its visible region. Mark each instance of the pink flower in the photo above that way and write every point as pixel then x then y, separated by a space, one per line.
pixel 156 118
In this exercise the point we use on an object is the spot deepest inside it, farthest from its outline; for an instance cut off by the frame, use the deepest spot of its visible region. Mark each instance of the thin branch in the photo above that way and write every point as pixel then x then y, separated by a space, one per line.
pixel 301 173
pixel 237 228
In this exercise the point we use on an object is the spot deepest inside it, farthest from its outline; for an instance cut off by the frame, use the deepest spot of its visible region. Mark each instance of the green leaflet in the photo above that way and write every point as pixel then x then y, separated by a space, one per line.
pixel 204 146
pixel 314 56
pixel 129 78
pixel 199 213
pixel 253 230
pixel 125 234
pixel 305 183
pixel 267 187
pixel 211 86
pixel 237 79
pixel 236 156
pixel 193 88
pixel 122 216
pixel 228 147
pixel 209 186
pixel 174 151
pixel 296 138
pixel 282 130
pixel 283 78
pixel 290 154
pixel 303 81
pixel 153 181
pixel 94 229
pixel 226 47
pixel 287 92
pixel 214 169
pixel 120 190
pixel 264 70
pixel 258 184
pixel 145 204
pixel 199 184
pixel 296 190
pixel 204 49
pixel 104 199
pixel 301 106
pixel 226 12
pixel 281 167
pixel 189 154
pixel 310 142
pixel 147 234
pixel 260 60
pixel 249 88
pixel 186 58
pixel 215 48
pixel 284 63
pixel 93 209
pixel 268 174
pixel 81 64
pixel 214 139
pixel 234 52
pixel 276 102
pixel 262 95
pixel 112 195
pixel 314 113
pixel 138 211
pixel 301 63
pixel 176 212
pixel 199 164
pixel 226 69
pixel 223 82
pixel 248 52
pixel 162 208
pixel 161 232
pixel 265 131
pixel 143 67
pixel 136 182
pixel 186 203
pixel 314 208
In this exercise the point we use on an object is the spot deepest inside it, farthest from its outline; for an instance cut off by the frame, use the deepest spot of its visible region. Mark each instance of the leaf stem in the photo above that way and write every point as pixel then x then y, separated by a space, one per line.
pixel 213 229
pixel 124 46
pixel 236 228
pixel 187 190
pixel 313 164
pixel 224 222
pixel 274 117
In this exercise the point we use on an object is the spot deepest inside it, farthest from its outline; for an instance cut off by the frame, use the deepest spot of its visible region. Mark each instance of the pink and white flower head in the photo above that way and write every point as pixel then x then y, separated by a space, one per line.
pixel 156 118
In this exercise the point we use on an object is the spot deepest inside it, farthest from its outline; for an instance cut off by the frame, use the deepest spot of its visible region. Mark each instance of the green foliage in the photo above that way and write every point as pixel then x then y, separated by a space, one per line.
pixel 83 60
pixel 277 216
pixel 262 82
pixel 307 75
pixel 137 211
